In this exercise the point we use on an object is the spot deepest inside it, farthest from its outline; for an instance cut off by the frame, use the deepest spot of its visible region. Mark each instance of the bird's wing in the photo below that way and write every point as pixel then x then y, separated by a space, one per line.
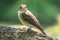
pixel 30 19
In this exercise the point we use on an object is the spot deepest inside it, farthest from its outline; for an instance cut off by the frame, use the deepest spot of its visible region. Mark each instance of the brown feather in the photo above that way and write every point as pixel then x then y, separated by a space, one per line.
pixel 33 21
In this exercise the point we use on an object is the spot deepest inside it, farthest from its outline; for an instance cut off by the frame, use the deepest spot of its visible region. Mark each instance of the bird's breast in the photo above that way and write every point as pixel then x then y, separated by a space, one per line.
pixel 21 19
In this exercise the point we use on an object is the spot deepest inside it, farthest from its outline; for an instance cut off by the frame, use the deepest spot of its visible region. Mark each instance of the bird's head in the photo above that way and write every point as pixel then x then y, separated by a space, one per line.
pixel 23 8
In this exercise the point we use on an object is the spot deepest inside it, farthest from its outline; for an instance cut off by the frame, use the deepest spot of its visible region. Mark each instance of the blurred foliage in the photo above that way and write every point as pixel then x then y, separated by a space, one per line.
pixel 44 10
pixel 54 29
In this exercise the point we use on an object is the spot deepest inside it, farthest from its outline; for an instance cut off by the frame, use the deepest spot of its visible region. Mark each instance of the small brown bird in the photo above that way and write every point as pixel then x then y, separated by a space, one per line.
pixel 28 19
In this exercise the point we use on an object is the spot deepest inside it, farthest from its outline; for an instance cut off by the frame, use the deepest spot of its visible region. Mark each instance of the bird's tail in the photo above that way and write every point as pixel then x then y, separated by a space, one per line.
pixel 42 30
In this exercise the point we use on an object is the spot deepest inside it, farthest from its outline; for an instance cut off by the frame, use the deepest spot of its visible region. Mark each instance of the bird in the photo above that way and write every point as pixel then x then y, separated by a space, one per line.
pixel 27 18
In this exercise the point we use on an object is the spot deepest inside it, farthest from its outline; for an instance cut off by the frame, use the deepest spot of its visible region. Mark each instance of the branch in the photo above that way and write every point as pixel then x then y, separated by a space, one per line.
pixel 19 33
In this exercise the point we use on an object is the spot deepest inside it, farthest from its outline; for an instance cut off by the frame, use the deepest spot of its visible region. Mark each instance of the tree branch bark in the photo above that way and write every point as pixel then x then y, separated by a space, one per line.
pixel 12 33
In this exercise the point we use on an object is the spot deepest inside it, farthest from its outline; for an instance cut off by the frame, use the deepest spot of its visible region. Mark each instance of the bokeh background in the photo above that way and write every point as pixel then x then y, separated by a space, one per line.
pixel 46 11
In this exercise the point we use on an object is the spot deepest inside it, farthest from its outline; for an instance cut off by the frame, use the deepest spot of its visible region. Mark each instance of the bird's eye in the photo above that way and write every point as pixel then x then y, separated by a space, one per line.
pixel 20 7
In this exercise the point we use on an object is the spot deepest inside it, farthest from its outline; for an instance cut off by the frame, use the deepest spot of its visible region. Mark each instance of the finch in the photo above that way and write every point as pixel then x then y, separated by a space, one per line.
pixel 28 19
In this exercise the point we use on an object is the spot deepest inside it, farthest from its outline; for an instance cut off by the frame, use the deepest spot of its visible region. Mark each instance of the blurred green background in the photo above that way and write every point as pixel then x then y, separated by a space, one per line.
pixel 46 11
